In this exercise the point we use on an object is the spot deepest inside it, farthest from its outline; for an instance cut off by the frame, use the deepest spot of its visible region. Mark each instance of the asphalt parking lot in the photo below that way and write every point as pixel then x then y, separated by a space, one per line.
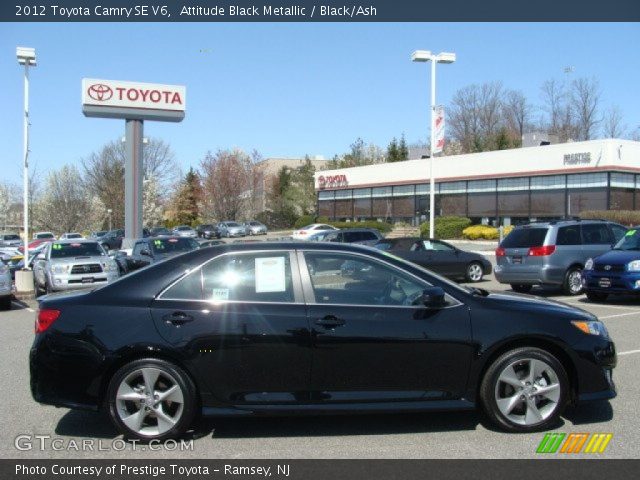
pixel 432 435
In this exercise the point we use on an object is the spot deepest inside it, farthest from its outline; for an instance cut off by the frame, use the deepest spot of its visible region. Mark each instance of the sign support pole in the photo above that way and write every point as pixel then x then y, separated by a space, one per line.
pixel 133 181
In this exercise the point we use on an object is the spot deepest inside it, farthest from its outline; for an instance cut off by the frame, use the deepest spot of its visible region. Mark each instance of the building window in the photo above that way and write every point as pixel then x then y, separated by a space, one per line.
pixel 482 204
pixel 548 203
pixel 381 192
pixel 423 188
pixel 403 190
pixel 477 186
pixel 362 207
pixel 592 199
pixel 453 187
pixel 515 204
pixel 513 184
pixel 344 209
pixel 550 182
pixel 381 208
pixel 362 193
pixel 323 195
pixel 621 199
pixel 622 180
pixel 587 180
pixel 454 205
pixel 403 207
pixel 342 194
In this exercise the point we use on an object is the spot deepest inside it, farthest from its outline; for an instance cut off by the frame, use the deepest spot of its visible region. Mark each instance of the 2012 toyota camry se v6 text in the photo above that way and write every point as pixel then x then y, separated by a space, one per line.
pixel 281 328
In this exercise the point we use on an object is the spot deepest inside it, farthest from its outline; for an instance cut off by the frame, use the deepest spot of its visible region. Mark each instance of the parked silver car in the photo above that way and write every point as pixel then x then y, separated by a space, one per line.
pixel 231 229
pixel 72 264
pixel 10 240
pixel 553 253
pixel 5 286
pixel 185 231
pixel 255 228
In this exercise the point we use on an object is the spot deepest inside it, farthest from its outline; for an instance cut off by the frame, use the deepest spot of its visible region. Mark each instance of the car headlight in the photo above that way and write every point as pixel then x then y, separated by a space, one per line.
pixel 589 264
pixel 591 327
pixel 60 268
pixel 634 266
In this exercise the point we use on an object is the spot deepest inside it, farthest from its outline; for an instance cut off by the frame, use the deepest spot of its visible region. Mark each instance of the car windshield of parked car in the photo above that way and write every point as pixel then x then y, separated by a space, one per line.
pixel 85 249
pixel 73 235
pixel 11 237
pixel 183 229
pixel 232 224
pixel 525 238
pixel 44 236
pixel 255 224
pixel 631 241
pixel 172 245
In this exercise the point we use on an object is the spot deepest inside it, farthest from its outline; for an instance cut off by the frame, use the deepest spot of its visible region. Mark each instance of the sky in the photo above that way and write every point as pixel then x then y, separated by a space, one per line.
pixel 289 89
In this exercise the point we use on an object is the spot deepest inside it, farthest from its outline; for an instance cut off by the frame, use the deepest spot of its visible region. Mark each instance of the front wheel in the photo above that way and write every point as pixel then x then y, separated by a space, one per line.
pixel 525 390
pixel 573 281
pixel 474 272
pixel 151 399
pixel 597 296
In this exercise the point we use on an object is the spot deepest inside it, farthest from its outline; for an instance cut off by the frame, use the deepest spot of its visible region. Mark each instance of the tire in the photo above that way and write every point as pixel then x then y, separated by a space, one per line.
pixel 597 296
pixel 47 288
pixel 474 272
pixel 139 420
pixel 36 288
pixel 5 303
pixel 510 374
pixel 521 288
pixel 572 284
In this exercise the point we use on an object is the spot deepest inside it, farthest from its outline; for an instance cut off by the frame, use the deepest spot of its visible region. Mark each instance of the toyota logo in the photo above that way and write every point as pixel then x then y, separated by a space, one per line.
pixel 100 92
pixel 607 267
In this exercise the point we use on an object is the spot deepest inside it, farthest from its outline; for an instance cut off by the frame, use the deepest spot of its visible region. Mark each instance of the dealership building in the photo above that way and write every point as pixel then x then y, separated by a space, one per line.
pixel 498 187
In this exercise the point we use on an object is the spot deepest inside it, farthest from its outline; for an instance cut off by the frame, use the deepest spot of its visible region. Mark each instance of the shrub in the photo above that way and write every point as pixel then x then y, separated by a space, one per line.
pixel 477 232
pixel 625 217
pixel 446 227
pixel 304 220
pixel 381 226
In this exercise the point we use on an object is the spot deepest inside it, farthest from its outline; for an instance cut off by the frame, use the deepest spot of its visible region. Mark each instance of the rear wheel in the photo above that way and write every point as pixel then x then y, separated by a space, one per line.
pixel 152 399
pixel 521 288
pixel 474 272
pixel 573 281
pixel 524 390
pixel 597 296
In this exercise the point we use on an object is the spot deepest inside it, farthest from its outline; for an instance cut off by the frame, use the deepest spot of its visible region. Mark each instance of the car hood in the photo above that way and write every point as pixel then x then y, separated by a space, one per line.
pixel 618 257
pixel 516 301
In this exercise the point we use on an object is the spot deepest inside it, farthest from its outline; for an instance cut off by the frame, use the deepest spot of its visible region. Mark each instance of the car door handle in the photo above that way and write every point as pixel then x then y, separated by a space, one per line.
pixel 178 318
pixel 330 321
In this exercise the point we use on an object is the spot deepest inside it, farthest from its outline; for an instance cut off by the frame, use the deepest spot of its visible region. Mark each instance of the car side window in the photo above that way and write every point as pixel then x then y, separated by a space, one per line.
pixel 569 235
pixel 351 237
pixel 441 247
pixel 618 232
pixel 369 236
pixel 345 279
pixel 596 234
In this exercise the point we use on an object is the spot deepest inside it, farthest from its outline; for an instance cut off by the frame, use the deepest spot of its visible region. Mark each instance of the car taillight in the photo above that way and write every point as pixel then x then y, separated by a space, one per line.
pixel 45 318
pixel 542 251
pixel 500 252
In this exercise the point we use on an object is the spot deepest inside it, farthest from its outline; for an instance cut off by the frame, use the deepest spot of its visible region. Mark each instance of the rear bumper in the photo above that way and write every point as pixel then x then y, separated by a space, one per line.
pixel 544 275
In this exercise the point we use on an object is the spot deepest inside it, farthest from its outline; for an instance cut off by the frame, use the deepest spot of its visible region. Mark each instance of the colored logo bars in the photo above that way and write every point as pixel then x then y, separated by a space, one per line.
pixel 574 443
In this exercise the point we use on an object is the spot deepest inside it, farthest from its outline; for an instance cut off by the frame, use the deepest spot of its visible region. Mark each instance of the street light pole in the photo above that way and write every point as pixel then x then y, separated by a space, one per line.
pixel 26 57
pixel 443 57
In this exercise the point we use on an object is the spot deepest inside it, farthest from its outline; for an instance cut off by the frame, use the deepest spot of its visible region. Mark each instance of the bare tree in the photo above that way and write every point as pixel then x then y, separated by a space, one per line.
pixel 559 108
pixel 517 112
pixel 585 101
pixel 229 182
pixel 613 126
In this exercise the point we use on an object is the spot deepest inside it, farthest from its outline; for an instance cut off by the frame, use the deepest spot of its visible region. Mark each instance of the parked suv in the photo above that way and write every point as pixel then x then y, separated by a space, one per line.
pixel 360 236
pixel 553 253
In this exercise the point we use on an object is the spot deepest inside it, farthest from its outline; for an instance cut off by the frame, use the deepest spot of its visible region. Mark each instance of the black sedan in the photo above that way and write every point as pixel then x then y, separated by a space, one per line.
pixel 440 257
pixel 277 328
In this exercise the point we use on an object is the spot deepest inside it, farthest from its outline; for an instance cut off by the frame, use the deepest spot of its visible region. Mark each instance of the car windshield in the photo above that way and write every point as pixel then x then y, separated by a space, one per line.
pixel 232 224
pixel 631 241
pixel 85 249
pixel 182 229
pixel 525 238
pixel 101 233
pixel 42 236
pixel 73 235
pixel 254 224
pixel 11 237
pixel 173 245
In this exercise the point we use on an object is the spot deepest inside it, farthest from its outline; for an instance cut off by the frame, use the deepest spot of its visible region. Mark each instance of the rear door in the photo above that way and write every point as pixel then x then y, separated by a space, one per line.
pixel 241 319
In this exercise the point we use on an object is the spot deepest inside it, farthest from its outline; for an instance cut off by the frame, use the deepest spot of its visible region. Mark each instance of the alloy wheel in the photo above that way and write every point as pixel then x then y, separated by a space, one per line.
pixel 574 281
pixel 149 401
pixel 528 391
pixel 474 272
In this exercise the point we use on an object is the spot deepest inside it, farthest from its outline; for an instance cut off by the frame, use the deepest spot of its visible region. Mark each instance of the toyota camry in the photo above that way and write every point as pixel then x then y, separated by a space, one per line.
pixel 282 328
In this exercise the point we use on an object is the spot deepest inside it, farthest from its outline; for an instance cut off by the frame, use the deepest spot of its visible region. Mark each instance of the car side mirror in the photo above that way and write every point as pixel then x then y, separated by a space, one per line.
pixel 433 297
pixel 145 252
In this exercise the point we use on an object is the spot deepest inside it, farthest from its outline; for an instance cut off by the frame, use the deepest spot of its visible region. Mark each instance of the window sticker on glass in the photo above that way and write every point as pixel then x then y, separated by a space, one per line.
pixel 630 233
pixel 56 246
pixel 218 294
pixel 270 275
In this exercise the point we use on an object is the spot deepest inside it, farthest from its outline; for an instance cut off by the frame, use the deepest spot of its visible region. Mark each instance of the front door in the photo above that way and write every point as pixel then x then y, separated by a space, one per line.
pixel 372 338
pixel 242 321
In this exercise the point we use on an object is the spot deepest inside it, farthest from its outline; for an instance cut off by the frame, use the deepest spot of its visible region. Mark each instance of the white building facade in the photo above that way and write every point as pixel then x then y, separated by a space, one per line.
pixel 499 187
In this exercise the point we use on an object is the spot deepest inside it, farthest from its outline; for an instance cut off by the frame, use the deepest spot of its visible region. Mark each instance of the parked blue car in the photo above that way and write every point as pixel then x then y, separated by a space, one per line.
pixel 614 272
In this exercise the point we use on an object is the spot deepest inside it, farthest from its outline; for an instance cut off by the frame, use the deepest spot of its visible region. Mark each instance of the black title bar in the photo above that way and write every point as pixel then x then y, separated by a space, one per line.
pixel 319 11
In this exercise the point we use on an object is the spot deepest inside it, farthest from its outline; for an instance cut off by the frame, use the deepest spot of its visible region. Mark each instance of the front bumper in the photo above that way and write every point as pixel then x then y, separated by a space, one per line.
pixel 595 364
pixel 611 282
pixel 63 282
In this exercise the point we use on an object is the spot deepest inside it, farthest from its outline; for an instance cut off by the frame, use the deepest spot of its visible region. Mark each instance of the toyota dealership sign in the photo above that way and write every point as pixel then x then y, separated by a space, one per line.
pixel 133 100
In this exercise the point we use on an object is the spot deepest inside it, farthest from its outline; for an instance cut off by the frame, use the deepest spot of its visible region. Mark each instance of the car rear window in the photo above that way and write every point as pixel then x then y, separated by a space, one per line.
pixel 525 238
